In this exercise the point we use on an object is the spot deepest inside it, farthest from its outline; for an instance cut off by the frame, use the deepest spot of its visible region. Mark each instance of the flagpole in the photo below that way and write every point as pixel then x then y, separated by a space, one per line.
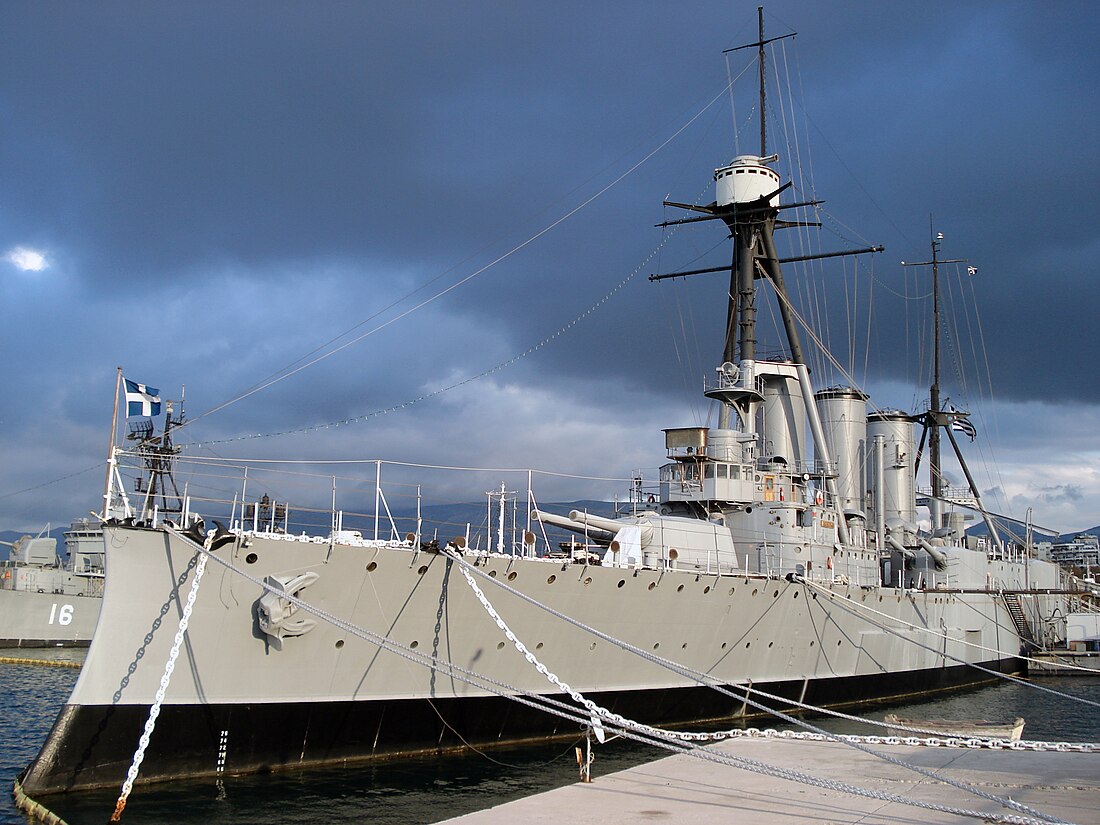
pixel 111 450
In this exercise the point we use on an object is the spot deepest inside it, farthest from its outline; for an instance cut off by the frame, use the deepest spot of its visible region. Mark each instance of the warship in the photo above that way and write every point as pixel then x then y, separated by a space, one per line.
pixel 47 601
pixel 779 552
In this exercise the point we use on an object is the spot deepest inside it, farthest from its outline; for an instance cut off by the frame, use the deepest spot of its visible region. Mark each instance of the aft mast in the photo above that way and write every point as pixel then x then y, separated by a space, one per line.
pixel 936 418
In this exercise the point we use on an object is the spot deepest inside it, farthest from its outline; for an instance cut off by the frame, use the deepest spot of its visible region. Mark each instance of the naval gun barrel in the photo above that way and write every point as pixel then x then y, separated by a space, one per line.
pixel 901 548
pixel 938 556
pixel 612 525
pixel 575 526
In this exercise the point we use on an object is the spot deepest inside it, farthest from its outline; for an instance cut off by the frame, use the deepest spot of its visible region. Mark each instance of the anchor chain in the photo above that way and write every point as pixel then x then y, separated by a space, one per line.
pixel 154 710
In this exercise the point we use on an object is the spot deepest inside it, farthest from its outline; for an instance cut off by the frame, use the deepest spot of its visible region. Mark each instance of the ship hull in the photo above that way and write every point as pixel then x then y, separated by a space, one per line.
pixel 238 702
pixel 264 737
pixel 31 619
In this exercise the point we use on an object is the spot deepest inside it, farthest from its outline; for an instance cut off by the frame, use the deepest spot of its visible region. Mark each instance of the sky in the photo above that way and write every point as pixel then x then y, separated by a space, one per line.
pixel 437 220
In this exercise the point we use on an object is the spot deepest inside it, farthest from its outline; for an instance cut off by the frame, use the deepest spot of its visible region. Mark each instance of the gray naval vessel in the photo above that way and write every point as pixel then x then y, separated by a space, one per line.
pixel 764 559
pixel 47 601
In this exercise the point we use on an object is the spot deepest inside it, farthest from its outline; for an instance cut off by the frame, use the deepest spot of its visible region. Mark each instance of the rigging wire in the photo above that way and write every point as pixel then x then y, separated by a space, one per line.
pixel 625 727
pixel 98 466
pixel 441 390
pixel 479 271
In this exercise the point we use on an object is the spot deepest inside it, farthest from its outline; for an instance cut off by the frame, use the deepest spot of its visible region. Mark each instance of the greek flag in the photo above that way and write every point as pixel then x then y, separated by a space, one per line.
pixel 141 399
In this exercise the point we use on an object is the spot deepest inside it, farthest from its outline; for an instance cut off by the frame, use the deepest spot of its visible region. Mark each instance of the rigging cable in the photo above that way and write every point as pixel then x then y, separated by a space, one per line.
pixel 523 244
pixel 566 711
pixel 610 716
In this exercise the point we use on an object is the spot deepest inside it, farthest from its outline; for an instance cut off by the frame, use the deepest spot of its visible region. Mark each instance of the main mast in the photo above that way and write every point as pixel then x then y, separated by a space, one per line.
pixel 747 201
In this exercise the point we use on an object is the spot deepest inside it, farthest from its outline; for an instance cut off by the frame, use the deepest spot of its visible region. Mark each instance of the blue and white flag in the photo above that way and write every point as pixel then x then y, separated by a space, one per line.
pixel 960 422
pixel 141 399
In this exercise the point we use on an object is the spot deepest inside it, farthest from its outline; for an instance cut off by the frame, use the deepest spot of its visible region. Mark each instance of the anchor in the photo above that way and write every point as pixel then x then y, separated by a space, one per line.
pixel 275 611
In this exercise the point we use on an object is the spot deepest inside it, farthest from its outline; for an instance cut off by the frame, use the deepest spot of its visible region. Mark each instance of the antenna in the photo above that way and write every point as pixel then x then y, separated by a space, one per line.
pixel 761 56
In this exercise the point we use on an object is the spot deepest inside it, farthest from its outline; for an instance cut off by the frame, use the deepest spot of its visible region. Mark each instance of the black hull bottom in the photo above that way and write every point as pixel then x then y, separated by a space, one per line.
pixel 92 746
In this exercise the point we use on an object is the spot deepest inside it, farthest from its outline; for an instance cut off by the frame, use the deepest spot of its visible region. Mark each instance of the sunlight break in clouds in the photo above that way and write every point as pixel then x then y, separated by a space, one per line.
pixel 28 260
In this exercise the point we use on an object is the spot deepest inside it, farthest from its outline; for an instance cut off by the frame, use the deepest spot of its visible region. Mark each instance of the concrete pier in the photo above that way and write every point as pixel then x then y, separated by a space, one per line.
pixel 685 789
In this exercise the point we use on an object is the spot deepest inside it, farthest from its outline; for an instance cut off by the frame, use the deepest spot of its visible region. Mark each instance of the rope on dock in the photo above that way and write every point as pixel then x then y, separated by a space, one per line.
pixel 20 660
pixel 34 810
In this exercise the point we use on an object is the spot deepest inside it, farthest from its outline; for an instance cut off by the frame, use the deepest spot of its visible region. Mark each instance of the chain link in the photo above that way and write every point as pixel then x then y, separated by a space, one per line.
pixel 770 770
pixel 643 733
pixel 165 680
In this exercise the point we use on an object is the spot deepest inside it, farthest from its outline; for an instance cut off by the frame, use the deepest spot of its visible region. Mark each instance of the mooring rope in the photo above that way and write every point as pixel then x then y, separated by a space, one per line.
pixel 547 704
pixel 606 714
pixel 709 681
pixel 154 710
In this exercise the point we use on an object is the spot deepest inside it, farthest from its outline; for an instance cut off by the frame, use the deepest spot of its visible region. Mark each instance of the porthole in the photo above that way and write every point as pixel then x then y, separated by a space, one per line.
pixel 492 574
pixel 414 644
pixel 652 585
pixel 706 590
pixel 592 646
pixel 684 646
pixel 769 644
pixel 372 567
pixel 339 643
pixel 747 645
pixel 723 645
pixel 656 645
pixel 423 569
pixel 251 558
pixel 512 576
pixel 796 594
pixel 732 589
pixel 587 581
pixel 679 588
pixel 551 580
pixel 538 646
pixel 838 642
pixel 755 590
pixel 500 645
pixel 812 644
pixel 621 582
pixel 775 595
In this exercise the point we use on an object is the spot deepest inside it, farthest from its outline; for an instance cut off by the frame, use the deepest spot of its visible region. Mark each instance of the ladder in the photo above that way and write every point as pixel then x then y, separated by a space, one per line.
pixel 1019 619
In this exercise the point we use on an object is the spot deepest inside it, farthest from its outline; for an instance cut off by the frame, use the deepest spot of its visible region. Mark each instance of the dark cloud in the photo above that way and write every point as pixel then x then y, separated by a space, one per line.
pixel 221 189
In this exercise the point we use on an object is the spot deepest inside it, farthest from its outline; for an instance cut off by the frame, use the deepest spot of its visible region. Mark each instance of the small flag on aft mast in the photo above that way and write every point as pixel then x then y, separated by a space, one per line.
pixel 972 270
pixel 141 399
pixel 961 423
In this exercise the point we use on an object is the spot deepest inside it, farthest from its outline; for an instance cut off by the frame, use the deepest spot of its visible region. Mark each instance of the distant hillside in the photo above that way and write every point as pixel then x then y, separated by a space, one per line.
pixel 1013 528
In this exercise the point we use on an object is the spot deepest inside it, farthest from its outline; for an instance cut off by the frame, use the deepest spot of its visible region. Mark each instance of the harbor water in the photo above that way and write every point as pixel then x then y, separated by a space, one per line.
pixel 431 790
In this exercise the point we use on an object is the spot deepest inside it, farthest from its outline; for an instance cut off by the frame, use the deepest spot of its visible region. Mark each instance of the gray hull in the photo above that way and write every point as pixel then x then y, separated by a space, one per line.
pixel 237 702
pixel 32 619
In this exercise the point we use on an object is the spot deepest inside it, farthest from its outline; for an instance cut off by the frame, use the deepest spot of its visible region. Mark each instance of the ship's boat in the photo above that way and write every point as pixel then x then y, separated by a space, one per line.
pixel 778 552
pixel 958 728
